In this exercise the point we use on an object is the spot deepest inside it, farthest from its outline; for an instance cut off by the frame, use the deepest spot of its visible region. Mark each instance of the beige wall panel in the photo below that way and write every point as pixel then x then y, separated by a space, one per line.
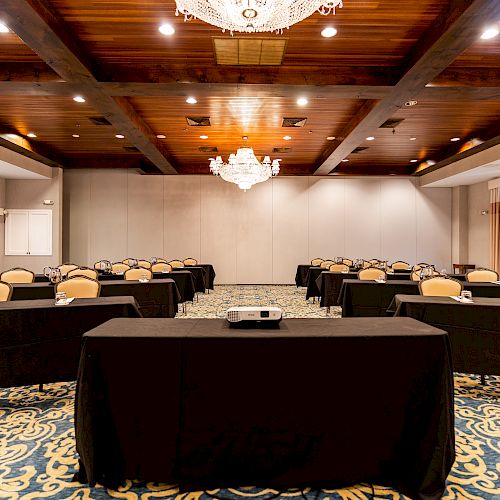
pixel 479 225
pixel 2 224
pixel 398 223
pixel 108 215
pixel 362 220
pixel 145 216
pixel 434 227
pixel 290 227
pixel 181 237
pixel 77 228
pixel 326 218
pixel 219 220
pixel 254 239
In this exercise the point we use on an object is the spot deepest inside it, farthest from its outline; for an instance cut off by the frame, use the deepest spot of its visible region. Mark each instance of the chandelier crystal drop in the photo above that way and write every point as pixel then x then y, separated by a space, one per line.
pixel 244 169
pixel 251 16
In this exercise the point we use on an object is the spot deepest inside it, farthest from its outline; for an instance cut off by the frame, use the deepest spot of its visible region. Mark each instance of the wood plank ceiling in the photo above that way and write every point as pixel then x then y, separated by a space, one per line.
pixel 386 52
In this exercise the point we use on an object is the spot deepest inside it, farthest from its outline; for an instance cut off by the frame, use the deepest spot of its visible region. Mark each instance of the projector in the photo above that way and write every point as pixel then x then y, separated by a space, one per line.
pixel 266 317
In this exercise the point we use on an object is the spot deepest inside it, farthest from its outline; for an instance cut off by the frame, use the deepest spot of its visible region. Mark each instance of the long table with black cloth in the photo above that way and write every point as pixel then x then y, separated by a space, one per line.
pixel 369 298
pixel 156 298
pixel 353 400
pixel 474 329
pixel 40 342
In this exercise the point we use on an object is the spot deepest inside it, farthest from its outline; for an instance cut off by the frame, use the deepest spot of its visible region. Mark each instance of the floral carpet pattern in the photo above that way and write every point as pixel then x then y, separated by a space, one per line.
pixel 37 443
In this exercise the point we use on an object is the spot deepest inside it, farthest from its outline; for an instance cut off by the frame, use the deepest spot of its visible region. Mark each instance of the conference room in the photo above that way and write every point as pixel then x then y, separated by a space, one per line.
pixel 249 248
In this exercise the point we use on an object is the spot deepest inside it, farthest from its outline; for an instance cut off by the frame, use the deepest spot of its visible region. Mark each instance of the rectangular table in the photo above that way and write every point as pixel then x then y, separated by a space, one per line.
pixel 474 329
pixel 40 342
pixel 316 403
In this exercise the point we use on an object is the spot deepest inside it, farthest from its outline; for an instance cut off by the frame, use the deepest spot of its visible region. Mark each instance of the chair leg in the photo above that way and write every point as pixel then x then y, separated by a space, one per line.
pixel 40 387
pixel 483 379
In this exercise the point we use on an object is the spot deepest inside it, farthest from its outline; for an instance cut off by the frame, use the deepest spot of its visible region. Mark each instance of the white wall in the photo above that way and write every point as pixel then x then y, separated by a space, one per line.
pixel 255 237
pixel 479 225
pixel 2 223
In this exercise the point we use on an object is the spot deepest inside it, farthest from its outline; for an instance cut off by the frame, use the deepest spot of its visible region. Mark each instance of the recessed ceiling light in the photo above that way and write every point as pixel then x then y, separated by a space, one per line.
pixel 489 33
pixel 371 138
pixel 75 136
pixel 328 32
pixel 302 101
pixel 3 28
pixel 345 159
pixel 245 137
pixel 330 138
pixel 191 100
pixel 203 136
pixel 166 29
pixel 287 137
pixel 31 134
pixel 78 98
pixel 411 103
pixel 455 139
pixel 120 136
pixel 413 161
pixel 413 138
pixel 161 136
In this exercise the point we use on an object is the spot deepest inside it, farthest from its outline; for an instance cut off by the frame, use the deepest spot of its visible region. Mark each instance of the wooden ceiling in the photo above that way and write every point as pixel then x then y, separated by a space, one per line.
pixel 386 52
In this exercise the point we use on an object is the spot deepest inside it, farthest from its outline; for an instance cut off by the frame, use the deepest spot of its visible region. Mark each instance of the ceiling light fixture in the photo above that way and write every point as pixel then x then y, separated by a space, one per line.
pixel 345 160
pixel 78 98
pixel 455 139
pixel 253 16
pixel 160 136
pixel 330 138
pixel 489 33
pixel 191 100
pixel 203 136
pixel 245 137
pixel 166 29
pixel 4 28
pixel 120 136
pixel 413 138
pixel 76 136
pixel 328 32
pixel 287 137
pixel 411 103
pixel 371 138
pixel 302 101
pixel 413 161
pixel 31 134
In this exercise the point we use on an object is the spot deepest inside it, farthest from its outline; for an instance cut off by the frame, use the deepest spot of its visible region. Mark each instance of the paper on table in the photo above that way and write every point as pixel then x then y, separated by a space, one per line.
pixel 461 299
pixel 380 281
pixel 496 282
pixel 65 302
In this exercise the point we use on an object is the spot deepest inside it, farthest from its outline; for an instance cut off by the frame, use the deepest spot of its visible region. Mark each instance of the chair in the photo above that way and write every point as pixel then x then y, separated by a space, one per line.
pixel 400 264
pixel 161 267
pixel 440 286
pixel 373 261
pixel 176 263
pixel 415 275
pixel 144 263
pixel 102 265
pixel 79 287
pixel 83 271
pixel 5 291
pixel 119 267
pixel 161 260
pixel 130 261
pixel 190 261
pixel 18 275
pixel 481 274
pixel 66 268
pixel 326 264
pixel 371 273
pixel 463 268
pixel 137 273
pixel 420 265
pixel 348 262
pixel 339 268
pixel 316 262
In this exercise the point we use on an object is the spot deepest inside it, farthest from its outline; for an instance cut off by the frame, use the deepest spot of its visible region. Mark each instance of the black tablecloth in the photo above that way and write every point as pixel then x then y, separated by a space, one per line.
pixel 317 403
pixel 301 274
pixel 198 275
pixel 474 329
pixel 40 342
pixel 156 298
pixel 209 275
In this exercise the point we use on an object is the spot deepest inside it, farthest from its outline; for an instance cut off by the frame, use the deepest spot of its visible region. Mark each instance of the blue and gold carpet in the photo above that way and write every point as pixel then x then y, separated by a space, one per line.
pixel 37 444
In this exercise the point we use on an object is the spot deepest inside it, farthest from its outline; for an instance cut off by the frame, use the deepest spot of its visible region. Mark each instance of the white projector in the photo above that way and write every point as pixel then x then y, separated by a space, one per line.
pixel 254 316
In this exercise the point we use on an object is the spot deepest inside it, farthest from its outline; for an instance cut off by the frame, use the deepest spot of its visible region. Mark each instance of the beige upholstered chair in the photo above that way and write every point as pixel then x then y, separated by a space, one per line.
pixel 83 271
pixel 420 265
pixel 176 263
pixel 374 261
pixel 400 264
pixel 137 273
pixel 144 263
pixel 161 260
pixel 161 267
pixel 130 261
pixel 79 287
pixel 119 267
pixel 5 291
pixel 316 262
pixel 371 273
pixel 440 286
pixel 481 274
pixel 347 262
pixel 339 268
pixel 326 264
pixel 190 261
pixel 66 268
pixel 18 275
pixel 415 275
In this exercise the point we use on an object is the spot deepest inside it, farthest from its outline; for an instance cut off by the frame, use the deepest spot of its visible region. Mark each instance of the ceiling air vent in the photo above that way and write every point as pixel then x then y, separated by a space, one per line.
pixel 198 121
pixel 282 150
pixel 293 122
pixel 391 123
pixel 236 51
pixel 361 148
pixel 208 149
pixel 131 149
pixel 99 120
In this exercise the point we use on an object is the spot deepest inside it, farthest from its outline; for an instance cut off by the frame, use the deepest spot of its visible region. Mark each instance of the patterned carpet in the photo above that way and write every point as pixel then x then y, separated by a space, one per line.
pixel 37 446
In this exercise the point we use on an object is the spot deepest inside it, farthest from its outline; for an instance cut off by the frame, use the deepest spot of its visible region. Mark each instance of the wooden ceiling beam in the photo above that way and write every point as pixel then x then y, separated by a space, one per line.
pixel 16 72
pixel 52 41
pixel 455 30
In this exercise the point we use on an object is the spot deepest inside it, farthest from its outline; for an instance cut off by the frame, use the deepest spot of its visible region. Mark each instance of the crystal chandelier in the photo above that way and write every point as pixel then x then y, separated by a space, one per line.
pixel 244 169
pixel 250 16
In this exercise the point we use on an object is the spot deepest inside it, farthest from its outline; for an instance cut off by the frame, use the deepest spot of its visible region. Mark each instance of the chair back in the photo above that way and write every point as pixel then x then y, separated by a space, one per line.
pixel 339 268
pixel 420 265
pixel 400 264
pixel 53 273
pixel 144 263
pixel 79 287
pixel 326 264
pixel 103 265
pixel 348 262
pixel 481 275
pixel 421 273
pixel 161 267
pixel 5 291
pixel 176 263
pixel 66 268
pixel 161 260
pixel 440 286
pixel 316 262
pixel 119 267
pixel 83 271
pixel 371 273
pixel 18 275
pixel 190 261
pixel 138 273
pixel 373 261
pixel 130 261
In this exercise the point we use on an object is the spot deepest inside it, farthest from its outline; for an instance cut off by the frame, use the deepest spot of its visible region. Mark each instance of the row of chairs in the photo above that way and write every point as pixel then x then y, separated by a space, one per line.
pixel 360 263
pixel 159 262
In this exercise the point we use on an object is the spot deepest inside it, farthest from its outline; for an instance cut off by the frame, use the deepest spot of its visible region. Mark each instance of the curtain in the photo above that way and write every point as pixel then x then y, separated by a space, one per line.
pixel 495 229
